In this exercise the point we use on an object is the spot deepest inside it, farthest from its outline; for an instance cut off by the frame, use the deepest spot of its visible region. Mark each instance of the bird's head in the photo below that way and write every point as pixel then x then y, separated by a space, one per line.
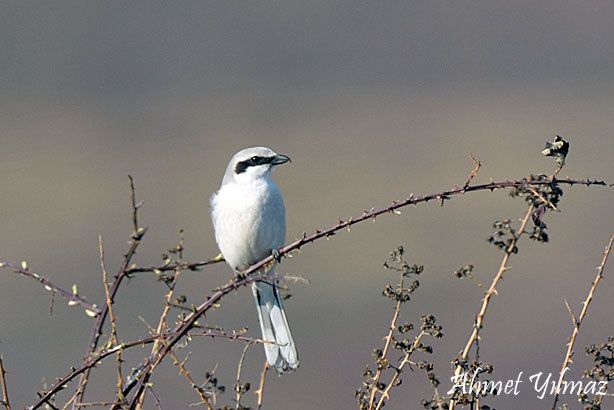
pixel 250 164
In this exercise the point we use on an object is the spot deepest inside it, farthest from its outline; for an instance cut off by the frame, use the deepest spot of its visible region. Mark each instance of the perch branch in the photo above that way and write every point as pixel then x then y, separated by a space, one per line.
pixel 246 277
pixel 375 212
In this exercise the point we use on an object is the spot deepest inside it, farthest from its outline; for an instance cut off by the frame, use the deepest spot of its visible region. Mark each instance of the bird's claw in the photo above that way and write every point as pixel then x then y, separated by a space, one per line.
pixel 276 255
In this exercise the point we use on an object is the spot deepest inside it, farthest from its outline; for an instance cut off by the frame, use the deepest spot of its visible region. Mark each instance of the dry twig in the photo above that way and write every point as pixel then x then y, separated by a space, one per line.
pixel 239 388
pixel 577 322
pixel 135 240
pixel 5 391
pixel 95 359
pixel 113 319
pixel 186 374
pixel 474 171
pixel 388 340
pixel 260 392
pixel 492 290
pixel 405 361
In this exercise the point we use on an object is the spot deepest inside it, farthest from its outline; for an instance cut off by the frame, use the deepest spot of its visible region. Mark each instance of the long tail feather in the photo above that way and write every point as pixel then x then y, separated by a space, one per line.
pixel 281 354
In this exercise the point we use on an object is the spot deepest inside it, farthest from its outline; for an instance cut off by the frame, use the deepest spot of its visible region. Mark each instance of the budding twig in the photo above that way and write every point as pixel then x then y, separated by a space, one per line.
pixel 72 297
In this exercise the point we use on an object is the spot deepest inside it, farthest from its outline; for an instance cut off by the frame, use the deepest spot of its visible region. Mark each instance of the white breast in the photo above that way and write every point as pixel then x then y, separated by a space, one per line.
pixel 249 221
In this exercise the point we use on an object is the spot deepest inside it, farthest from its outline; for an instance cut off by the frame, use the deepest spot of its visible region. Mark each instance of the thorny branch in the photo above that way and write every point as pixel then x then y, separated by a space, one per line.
pixel 248 276
pixel 577 322
pixel 171 283
pixel 186 374
pixel 95 359
pixel 492 290
pixel 112 318
pixel 135 240
pixel 375 212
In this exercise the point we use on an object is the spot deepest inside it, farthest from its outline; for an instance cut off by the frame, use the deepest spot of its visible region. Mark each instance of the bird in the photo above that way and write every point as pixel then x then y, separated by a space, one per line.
pixel 249 219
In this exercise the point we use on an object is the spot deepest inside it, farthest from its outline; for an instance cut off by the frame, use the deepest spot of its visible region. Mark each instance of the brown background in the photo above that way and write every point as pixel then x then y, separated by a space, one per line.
pixel 372 102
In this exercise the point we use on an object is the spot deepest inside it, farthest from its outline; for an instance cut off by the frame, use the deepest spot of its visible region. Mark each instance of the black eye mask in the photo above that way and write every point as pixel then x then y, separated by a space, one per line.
pixel 242 166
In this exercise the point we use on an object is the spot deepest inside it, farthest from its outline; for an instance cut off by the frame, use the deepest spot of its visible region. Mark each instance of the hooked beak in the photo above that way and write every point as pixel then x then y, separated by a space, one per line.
pixel 280 159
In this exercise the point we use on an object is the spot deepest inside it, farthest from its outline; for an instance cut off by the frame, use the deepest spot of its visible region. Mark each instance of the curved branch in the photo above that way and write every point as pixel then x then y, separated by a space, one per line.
pixel 247 276
pixel 373 212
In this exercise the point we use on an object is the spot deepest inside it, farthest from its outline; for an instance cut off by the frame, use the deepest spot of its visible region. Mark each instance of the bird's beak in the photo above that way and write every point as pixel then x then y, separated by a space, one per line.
pixel 280 159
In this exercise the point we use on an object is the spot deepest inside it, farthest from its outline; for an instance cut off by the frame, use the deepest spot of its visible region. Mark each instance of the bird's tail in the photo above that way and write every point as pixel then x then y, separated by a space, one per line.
pixel 281 354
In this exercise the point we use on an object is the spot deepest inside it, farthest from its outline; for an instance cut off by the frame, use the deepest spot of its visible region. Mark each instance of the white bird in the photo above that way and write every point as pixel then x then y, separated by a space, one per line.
pixel 249 218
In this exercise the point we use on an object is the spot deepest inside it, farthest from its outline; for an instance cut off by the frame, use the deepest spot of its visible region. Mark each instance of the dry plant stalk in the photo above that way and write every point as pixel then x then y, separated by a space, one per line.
pixel 577 322
pixel 405 361
pixel 374 392
pixel 5 391
pixel 388 341
pixel 241 389
pixel 492 290
pixel 260 392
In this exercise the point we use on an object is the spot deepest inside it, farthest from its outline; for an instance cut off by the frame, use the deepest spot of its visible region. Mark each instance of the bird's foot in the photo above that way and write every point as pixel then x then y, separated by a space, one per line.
pixel 276 255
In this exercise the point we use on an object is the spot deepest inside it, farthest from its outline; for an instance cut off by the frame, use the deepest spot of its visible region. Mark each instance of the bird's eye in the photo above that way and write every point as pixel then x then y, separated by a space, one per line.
pixel 255 159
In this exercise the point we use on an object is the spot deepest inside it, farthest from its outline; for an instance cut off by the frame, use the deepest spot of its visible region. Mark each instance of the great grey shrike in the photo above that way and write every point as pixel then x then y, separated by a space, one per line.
pixel 249 218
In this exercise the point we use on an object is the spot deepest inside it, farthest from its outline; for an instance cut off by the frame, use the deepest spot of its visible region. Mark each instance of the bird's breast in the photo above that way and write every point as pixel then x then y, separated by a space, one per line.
pixel 249 222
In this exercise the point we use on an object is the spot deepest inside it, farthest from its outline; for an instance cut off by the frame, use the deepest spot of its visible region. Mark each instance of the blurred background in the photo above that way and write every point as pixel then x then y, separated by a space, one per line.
pixel 373 101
